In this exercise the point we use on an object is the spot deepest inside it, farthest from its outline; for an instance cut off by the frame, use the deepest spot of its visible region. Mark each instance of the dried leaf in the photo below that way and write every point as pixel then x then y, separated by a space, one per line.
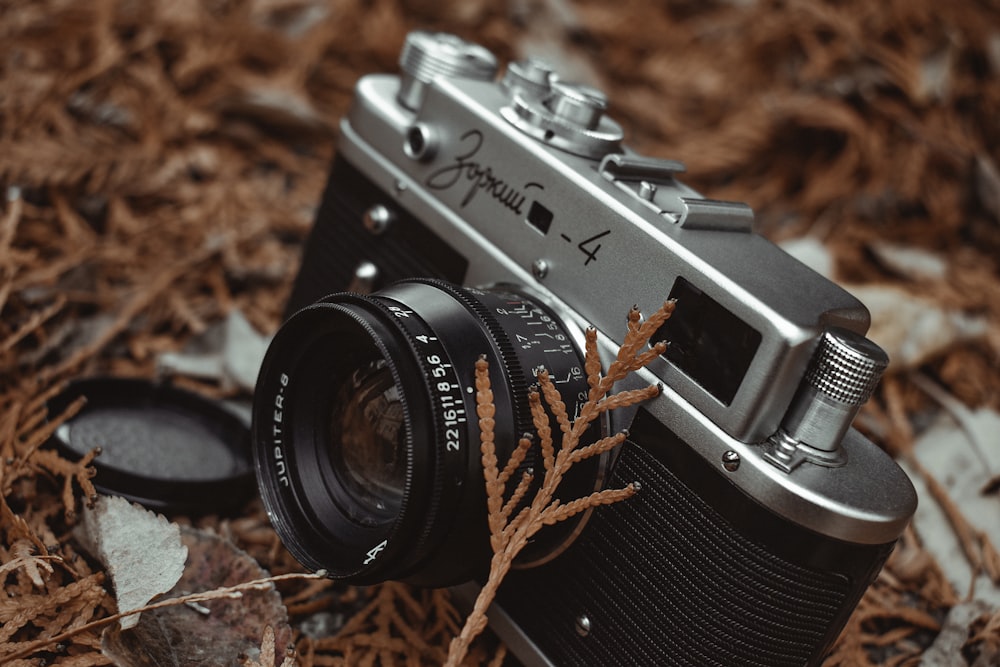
pixel 141 550
pixel 913 330
pixel 949 473
pixel 267 653
pixel 229 353
pixel 910 262
pixel 211 633
pixel 946 651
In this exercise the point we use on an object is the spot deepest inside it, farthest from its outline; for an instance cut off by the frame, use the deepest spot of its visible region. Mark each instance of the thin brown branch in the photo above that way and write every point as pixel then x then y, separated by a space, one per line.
pixel 518 495
pixel 564 511
pixel 218 593
pixel 596 448
pixel 554 400
pixel 516 458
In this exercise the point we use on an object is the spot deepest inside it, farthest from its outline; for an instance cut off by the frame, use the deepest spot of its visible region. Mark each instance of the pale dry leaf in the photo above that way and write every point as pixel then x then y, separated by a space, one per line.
pixel 213 632
pixel 911 329
pixel 910 262
pixel 229 353
pixel 267 653
pixel 961 468
pixel 141 550
pixel 946 651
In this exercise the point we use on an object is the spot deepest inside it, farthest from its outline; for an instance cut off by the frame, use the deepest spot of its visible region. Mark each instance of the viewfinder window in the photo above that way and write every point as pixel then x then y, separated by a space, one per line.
pixel 708 342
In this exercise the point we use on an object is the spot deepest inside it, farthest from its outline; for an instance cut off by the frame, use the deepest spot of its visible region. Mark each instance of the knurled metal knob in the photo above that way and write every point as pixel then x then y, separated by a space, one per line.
pixel 428 55
pixel 846 367
pixel 843 373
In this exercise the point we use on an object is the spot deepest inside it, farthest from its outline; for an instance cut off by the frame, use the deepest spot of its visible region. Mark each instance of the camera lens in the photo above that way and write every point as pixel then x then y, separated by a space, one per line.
pixel 365 434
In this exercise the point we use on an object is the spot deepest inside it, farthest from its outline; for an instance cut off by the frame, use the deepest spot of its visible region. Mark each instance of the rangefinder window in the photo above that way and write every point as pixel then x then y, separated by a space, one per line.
pixel 709 343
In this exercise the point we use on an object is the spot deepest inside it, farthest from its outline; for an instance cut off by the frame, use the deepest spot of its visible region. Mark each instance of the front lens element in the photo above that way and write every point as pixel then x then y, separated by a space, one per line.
pixel 368 441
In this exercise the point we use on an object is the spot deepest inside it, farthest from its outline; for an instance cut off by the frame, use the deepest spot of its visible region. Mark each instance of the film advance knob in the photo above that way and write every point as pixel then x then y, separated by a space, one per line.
pixel 843 373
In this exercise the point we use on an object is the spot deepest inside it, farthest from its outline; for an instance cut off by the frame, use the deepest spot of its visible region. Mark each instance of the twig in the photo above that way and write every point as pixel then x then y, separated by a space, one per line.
pixel 228 591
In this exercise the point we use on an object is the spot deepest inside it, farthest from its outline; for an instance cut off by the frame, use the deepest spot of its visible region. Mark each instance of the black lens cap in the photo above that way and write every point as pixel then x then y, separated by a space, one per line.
pixel 166 448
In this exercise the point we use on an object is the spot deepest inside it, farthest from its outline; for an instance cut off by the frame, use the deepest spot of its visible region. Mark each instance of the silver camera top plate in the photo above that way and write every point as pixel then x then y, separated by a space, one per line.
pixel 546 197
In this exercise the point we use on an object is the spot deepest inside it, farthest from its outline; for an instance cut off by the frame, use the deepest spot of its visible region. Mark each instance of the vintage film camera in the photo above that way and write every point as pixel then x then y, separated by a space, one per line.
pixel 467 215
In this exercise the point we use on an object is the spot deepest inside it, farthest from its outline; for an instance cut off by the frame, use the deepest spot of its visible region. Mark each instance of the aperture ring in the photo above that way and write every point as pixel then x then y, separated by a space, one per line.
pixel 448 415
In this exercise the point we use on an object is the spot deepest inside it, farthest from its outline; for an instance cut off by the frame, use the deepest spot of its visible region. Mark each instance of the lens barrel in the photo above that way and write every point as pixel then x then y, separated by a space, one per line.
pixel 365 435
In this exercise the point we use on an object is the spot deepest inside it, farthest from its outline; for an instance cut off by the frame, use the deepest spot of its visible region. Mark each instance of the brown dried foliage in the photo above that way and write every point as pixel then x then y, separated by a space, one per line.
pixel 161 162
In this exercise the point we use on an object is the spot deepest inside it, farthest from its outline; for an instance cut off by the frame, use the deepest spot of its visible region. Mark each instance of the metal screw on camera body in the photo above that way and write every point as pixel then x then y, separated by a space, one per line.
pixel 378 219
pixel 731 461
pixel 583 626
pixel 647 190
pixel 539 268
pixel 365 276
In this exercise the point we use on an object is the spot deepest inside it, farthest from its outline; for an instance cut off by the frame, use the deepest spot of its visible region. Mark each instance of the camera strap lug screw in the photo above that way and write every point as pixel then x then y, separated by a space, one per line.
pixel 366 276
pixel 378 219
pixel 539 268
pixel 731 461
pixel 583 625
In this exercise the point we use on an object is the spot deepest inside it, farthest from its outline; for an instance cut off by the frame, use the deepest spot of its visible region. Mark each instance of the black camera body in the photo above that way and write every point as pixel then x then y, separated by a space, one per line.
pixel 514 216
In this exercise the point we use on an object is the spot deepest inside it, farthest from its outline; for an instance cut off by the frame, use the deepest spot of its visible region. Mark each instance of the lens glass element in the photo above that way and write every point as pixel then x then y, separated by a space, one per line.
pixel 368 442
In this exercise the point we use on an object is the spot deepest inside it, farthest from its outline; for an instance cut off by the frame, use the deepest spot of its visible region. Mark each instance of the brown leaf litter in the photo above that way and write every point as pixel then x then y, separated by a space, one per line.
pixel 161 163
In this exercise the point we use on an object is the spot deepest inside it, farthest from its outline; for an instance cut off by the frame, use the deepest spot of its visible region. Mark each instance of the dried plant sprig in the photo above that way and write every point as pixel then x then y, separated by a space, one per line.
pixel 517 457
pixel 541 422
pixel 597 448
pixel 235 591
pixel 519 492
pixel 561 512
pixel 268 653
pixel 24 558
pixel 508 536
pixel 486 410
pixel 553 398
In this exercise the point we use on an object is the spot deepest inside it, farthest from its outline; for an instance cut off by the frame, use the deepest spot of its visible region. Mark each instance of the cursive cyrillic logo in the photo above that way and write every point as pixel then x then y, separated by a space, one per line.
pixel 479 176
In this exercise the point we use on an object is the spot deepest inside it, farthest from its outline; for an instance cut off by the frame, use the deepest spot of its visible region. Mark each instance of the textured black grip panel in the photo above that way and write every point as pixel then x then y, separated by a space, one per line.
pixel 665 580
pixel 339 242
